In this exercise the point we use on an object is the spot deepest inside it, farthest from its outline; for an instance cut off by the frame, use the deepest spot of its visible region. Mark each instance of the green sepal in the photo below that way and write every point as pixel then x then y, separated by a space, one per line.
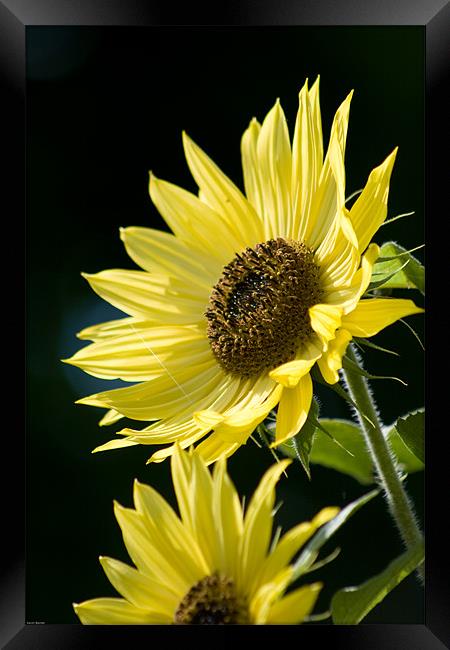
pixel 365 342
pixel 349 364
pixel 391 271
pixel 351 604
pixel 310 552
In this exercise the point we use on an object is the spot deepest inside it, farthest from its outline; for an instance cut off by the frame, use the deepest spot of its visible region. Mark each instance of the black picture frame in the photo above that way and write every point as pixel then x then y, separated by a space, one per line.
pixel 15 17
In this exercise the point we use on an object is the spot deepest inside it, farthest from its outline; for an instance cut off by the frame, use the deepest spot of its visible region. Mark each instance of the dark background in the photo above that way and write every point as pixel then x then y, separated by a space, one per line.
pixel 106 105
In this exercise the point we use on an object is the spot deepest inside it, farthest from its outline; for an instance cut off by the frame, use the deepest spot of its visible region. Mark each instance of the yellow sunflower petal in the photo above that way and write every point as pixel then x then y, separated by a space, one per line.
pixel 163 396
pixel 181 469
pixel 146 296
pixel 228 518
pixel 275 169
pixel 331 361
pixel 201 504
pixel 290 544
pixel 160 455
pixel 250 168
pixel 138 589
pixel 196 223
pixel 294 607
pixel 143 353
pixel 293 410
pixel 214 446
pixel 327 200
pixel 156 251
pixel 290 373
pixel 117 443
pixel 262 601
pixel 166 529
pixel 258 525
pixel 223 196
pixel 338 255
pixel 325 319
pixel 307 158
pixel 115 611
pixel 373 315
pixel 235 424
pixel 110 417
pixel 150 558
pixel 347 298
pixel 112 328
pixel 370 209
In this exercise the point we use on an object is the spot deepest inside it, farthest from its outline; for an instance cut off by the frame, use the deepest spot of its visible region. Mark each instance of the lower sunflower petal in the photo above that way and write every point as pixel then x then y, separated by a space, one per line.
pixel 294 607
pixel 139 589
pixel 374 314
pixel 260 604
pixel 227 512
pixel 290 544
pixel 258 525
pixel 148 554
pixel 293 409
pixel 116 611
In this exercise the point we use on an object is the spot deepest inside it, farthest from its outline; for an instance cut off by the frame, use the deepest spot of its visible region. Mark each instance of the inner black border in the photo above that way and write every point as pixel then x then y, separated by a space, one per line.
pixel 434 16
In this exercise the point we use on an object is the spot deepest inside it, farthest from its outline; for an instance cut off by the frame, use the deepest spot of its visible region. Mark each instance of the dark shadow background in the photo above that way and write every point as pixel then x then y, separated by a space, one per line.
pixel 106 105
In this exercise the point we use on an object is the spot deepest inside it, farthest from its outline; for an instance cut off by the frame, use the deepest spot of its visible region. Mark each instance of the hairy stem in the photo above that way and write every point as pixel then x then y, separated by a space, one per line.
pixel 383 459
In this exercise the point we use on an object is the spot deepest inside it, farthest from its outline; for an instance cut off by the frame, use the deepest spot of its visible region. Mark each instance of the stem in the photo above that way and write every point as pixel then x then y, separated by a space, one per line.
pixel 383 459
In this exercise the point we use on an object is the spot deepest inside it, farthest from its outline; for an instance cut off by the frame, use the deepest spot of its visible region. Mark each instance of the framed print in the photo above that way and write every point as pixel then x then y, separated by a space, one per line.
pixel 224 275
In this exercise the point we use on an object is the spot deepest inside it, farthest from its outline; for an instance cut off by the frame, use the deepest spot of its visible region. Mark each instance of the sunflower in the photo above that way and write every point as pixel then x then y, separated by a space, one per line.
pixel 214 565
pixel 232 311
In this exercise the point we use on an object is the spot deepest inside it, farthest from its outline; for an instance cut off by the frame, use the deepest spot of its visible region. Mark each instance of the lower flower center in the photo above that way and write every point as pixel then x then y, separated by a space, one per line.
pixel 212 601
pixel 258 311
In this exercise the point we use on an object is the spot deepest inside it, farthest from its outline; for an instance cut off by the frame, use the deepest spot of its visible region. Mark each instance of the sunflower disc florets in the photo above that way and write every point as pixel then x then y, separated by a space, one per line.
pixel 258 311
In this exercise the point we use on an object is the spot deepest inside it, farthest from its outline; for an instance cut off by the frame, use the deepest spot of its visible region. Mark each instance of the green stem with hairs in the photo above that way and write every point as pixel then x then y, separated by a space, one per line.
pixel 383 458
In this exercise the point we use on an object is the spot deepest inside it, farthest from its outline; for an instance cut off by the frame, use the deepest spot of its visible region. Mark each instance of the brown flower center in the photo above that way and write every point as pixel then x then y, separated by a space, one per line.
pixel 258 311
pixel 212 601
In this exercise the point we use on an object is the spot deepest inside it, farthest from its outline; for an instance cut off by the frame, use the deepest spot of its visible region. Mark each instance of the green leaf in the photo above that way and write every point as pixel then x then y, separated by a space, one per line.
pixel 398 269
pixel 327 453
pixel 382 278
pixel 342 448
pixel 350 605
pixel 408 462
pixel 311 550
pixel 411 430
